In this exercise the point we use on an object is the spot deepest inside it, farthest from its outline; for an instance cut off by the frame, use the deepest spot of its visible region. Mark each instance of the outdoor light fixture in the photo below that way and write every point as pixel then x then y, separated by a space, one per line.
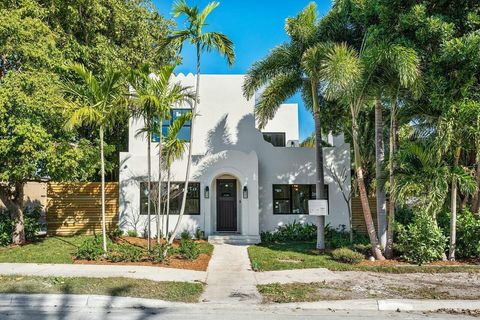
pixel 245 192
pixel 207 192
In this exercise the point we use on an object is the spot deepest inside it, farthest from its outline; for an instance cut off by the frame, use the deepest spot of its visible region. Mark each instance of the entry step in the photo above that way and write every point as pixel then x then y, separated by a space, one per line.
pixel 233 239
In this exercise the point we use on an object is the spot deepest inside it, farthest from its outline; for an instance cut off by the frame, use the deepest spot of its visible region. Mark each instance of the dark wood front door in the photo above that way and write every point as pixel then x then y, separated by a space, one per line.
pixel 226 205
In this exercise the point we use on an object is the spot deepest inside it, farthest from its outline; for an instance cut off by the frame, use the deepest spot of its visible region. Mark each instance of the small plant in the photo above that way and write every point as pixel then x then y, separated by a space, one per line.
pixel 468 235
pixel 188 249
pixel 91 248
pixel 132 233
pixel 125 253
pixel 115 233
pixel 161 252
pixel 185 235
pixel 255 266
pixel 421 241
pixel 347 255
pixel 365 249
pixel 199 234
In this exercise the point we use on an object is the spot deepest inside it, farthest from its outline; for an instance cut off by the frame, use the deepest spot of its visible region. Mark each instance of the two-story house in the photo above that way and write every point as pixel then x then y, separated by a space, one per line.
pixel 243 180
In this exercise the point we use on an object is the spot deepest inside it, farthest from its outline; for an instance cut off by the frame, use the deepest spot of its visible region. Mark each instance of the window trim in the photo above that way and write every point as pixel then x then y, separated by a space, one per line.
pixel 290 199
pixel 155 183
pixel 280 133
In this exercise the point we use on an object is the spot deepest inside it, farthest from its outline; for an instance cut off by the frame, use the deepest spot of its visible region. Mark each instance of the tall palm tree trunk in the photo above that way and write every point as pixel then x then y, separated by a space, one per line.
pixel 320 179
pixel 453 218
pixel 476 197
pixel 392 167
pixel 102 174
pixel 159 206
pixel 167 223
pixel 377 252
pixel 190 149
pixel 149 188
pixel 379 162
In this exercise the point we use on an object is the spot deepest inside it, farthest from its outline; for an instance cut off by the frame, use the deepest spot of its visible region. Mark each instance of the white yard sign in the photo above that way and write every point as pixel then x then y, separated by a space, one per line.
pixel 318 207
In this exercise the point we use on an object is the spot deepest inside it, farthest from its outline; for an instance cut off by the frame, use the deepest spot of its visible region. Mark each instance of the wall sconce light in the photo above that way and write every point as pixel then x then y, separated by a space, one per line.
pixel 245 192
pixel 207 192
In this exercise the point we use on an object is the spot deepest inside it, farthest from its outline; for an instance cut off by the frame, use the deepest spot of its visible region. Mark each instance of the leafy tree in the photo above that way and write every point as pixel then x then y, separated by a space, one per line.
pixel 98 102
pixel 33 142
pixel 203 41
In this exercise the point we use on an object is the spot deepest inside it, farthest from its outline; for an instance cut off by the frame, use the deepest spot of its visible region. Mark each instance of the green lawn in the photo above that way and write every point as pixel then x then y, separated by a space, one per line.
pixel 302 255
pixel 124 287
pixel 48 250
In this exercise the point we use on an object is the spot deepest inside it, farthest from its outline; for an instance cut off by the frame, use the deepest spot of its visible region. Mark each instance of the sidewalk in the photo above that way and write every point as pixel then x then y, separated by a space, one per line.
pixel 106 302
pixel 102 271
pixel 230 277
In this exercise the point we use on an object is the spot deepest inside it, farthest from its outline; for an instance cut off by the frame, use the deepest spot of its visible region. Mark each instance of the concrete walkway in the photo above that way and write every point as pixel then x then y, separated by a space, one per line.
pixel 102 271
pixel 229 276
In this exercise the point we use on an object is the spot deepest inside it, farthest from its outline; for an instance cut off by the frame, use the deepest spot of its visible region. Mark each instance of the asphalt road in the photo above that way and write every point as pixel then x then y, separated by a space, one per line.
pixel 201 313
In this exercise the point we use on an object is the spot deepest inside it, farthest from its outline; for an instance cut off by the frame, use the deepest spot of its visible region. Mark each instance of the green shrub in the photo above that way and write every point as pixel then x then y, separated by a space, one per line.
pixel 347 255
pixel 132 233
pixel 188 249
pixel 115 233
pixel 185 235
pixel 199 234
pixel 365 249
pixel 161 252
pixel 468 235
pixel 91 248
pixel 421 241
pixel 31 224
pixel 125 253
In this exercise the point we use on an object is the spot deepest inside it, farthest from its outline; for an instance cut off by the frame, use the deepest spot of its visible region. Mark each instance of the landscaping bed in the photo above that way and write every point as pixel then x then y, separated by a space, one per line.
pixel 302 255
pixel 370 285
pixel 65 250
pixel 122 287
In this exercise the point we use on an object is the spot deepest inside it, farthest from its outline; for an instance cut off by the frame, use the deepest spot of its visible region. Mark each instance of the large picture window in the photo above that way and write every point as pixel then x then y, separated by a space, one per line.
pixel 184 133
pixel 293 198
pixel 192 206
pixel 275 138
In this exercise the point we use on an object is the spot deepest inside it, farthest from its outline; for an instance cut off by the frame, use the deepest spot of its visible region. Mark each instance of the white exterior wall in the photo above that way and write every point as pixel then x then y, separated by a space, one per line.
pixel 226 142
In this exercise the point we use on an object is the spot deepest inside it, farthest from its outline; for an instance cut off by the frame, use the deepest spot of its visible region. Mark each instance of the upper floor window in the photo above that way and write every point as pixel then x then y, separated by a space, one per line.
pixel 184 133
pixel 275 138
pixel 293 198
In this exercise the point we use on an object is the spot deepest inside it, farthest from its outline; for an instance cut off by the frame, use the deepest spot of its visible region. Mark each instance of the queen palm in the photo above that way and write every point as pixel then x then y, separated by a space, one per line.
pixel 98 102
pixel 152 96
pixel 203 41
pixel 291 67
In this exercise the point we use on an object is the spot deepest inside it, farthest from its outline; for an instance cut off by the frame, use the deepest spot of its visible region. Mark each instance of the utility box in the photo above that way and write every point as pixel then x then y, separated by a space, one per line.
pixel 318 207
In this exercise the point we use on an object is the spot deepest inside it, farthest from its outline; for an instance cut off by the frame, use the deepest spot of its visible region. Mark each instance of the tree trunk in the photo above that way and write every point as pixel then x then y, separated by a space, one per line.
pixel 16 209
pixel 320 179
pixel 453 217
pixel 377 252
pixel 102 173
pixel 379 162
pixel 159 206
pixel 149 189
pixel 392 167
pixel 190 150
pixel 168 202
pixel 476 197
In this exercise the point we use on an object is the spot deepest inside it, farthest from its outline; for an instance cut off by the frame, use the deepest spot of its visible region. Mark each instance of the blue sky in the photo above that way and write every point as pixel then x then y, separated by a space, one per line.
pixel 255 26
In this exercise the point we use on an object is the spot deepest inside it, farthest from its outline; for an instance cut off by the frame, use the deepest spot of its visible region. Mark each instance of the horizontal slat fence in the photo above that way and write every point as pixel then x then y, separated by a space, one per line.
pixel 76 208
pixel 358 221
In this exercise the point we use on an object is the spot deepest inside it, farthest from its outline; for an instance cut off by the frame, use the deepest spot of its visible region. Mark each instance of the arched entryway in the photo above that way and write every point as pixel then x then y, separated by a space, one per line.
pixel 227 204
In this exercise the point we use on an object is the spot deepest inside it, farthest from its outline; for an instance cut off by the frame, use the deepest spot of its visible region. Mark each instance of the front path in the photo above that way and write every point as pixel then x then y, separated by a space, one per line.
pixel 230 277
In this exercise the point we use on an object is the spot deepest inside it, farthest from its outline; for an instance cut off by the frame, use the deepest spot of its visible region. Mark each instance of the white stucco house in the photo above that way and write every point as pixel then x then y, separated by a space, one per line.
pixel 243 180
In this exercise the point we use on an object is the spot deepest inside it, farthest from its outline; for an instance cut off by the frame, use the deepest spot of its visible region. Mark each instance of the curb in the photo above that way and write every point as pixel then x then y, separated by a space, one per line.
pixel 107 302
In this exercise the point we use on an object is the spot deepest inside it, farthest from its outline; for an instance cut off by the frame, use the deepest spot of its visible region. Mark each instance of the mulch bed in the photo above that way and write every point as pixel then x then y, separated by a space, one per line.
pixel 174 261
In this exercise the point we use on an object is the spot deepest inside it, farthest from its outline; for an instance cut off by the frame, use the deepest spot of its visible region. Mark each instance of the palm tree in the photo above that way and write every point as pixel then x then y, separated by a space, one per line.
pixel 203 41
pixel 174 148
pixel 291 67
pixel 98 102
pixel 152 96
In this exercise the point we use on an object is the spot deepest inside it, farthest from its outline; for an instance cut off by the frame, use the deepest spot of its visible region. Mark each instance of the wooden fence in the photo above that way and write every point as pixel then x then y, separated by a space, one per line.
pixel 76 208
pixel 358 221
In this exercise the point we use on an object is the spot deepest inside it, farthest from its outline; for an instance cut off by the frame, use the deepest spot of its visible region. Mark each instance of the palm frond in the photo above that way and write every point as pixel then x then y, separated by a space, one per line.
pixel 218 41
pixel 206 11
